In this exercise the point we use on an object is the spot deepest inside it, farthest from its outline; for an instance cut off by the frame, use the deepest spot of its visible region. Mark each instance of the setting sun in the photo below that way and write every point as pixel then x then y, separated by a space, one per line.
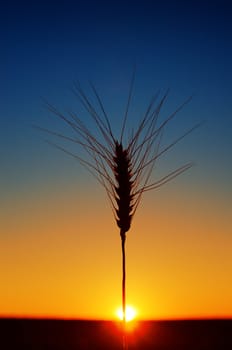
pixel 131 313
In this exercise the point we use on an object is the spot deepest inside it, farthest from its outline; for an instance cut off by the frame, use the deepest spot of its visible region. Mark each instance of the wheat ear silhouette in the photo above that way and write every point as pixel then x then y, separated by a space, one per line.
pixel 123 166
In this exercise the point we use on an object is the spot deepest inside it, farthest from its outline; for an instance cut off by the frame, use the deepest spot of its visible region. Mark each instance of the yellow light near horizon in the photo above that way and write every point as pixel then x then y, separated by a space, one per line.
pixel 131 313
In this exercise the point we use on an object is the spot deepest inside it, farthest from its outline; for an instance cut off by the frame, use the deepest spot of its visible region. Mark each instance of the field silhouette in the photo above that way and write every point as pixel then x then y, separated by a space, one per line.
pixel 48 334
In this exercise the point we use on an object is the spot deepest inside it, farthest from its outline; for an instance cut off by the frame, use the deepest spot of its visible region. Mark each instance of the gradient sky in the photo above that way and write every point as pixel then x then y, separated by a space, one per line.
pixel 59 245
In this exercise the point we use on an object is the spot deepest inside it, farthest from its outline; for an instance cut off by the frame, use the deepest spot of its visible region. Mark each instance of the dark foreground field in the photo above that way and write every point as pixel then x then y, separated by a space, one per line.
pixel 158 335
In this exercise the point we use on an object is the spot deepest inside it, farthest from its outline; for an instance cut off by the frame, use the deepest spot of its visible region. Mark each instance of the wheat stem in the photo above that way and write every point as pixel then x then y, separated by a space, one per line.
pixel 123 242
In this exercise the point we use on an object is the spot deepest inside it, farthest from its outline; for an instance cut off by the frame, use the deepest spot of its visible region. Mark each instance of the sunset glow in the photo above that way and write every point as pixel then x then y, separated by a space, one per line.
pixel 131 313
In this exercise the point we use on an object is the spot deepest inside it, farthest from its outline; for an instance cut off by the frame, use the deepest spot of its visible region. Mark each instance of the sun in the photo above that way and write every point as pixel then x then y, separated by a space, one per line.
pixel 131 313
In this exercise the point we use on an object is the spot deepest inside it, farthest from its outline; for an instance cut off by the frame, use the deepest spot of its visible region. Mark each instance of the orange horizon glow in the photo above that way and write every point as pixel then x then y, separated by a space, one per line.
pixel 115 318
pixel 54 265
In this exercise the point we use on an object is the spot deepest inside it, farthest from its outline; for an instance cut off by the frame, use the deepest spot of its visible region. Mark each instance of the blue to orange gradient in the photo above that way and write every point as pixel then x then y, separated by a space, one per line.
pixel 59 244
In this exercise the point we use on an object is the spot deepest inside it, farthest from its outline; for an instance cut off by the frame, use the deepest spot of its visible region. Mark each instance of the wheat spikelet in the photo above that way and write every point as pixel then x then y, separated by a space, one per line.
pixel 123 167
pixel 123 189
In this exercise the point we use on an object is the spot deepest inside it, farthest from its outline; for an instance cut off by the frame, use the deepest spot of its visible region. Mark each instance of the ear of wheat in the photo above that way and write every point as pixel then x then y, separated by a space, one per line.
pixel 122 166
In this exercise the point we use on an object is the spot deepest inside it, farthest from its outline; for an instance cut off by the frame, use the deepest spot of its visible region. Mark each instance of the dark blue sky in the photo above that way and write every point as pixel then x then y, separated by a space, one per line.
pixel 45 45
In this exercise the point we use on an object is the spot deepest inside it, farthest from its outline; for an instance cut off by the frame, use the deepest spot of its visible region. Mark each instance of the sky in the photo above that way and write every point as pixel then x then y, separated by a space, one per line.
pixel 59 244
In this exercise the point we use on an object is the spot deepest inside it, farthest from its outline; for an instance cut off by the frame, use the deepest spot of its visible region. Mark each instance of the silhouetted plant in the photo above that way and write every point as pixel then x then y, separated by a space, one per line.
pixel 123 166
